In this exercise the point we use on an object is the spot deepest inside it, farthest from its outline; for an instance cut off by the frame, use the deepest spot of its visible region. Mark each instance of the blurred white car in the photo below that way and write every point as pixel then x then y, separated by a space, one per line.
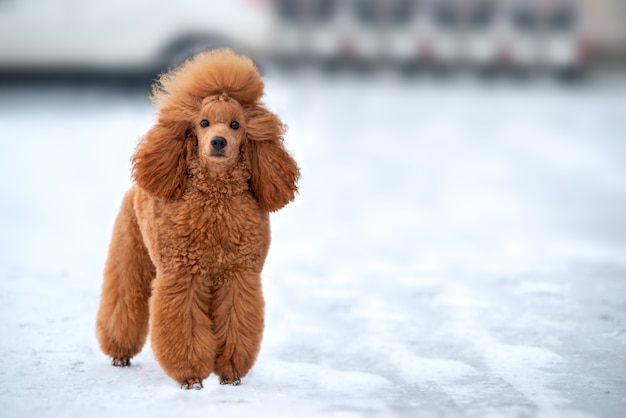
pixel 328 37
pixel 445 34
pixel 545 35
pixel 483 35
pixel 117 35
pixel 522 42
pixel 562 47
pixel 366 35
pixel 309 30
pixel 406 34
pixel 288 33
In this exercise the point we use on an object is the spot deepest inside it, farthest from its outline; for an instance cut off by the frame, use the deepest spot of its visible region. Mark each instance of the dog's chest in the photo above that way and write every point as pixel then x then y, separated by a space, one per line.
pixel 214 234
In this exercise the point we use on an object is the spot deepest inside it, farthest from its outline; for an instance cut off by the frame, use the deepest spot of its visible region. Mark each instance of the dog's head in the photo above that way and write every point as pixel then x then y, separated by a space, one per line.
pixel 210 110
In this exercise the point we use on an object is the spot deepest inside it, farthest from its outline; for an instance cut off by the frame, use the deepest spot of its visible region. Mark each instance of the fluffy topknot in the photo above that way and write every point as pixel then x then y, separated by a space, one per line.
pixel 178 94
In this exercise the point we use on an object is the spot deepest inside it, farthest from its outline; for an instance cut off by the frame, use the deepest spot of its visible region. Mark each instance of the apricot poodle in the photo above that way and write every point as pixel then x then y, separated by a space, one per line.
pixel 192 234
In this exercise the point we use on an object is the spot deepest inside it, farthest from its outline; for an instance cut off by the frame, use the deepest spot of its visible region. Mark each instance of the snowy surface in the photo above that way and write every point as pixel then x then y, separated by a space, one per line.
pixel 455 250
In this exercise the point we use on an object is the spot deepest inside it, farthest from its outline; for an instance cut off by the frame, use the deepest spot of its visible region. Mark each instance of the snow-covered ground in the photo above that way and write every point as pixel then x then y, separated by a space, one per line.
pixel 455 250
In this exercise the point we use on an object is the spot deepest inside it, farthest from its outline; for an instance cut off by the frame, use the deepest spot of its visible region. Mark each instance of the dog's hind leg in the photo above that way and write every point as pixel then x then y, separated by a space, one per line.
pixel 181 331
pixel 237 311
pixel 122 321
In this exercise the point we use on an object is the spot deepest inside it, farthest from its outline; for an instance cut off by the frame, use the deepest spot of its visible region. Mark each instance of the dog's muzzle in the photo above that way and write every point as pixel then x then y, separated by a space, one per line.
pixel 218 144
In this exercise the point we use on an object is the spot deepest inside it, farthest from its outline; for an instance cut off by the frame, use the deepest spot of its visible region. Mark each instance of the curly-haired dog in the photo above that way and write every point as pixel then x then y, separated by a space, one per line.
pixel 192 234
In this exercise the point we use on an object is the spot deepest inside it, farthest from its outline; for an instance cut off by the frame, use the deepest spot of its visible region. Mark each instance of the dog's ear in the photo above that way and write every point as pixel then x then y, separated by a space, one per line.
pixel 274 172
pixel 160 160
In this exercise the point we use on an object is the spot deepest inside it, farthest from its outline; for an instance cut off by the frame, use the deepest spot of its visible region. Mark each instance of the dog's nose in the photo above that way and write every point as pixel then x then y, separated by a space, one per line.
pixel 218 143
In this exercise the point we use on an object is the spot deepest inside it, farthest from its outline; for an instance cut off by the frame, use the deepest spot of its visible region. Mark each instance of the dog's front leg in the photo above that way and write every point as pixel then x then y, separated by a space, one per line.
pixel 181 330
pixel 237 312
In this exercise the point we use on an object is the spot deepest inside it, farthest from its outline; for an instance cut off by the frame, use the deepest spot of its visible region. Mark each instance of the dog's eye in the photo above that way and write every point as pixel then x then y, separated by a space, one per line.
pixel 204 123
pixel 234 124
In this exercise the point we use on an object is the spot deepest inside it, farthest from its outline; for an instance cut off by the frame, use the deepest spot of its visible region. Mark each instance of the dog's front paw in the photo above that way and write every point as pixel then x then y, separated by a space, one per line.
pixel 193 383
pixel 228 374
pixel 235 381
pixel 121 361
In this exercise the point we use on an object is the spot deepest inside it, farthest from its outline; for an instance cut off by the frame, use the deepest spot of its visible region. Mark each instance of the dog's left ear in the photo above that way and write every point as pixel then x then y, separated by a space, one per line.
pixel 274 172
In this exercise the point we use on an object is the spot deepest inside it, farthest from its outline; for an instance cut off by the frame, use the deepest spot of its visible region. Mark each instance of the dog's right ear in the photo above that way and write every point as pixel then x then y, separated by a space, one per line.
pixel 160 160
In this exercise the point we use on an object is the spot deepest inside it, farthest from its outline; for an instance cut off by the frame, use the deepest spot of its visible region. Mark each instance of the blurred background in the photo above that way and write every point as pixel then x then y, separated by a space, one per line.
pixel 459 236
pixel 141 38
